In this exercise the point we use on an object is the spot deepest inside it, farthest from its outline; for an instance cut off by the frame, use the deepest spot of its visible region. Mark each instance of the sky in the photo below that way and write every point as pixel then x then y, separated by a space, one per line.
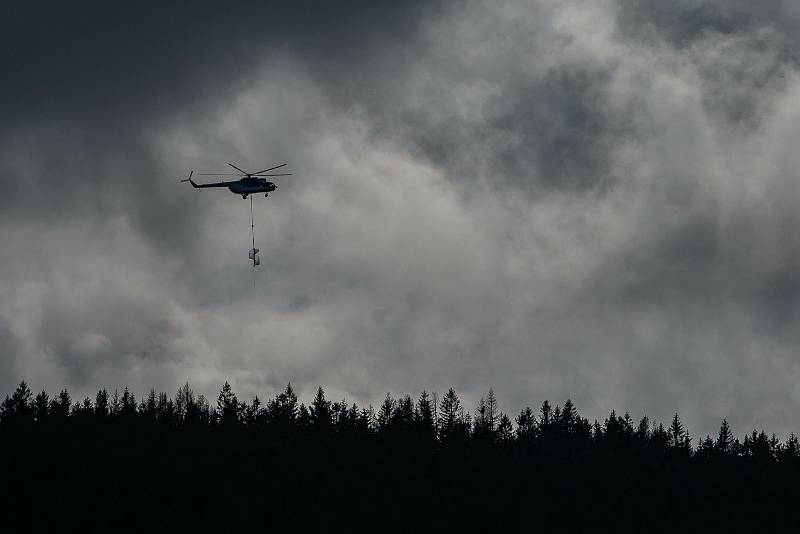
pixel 555 199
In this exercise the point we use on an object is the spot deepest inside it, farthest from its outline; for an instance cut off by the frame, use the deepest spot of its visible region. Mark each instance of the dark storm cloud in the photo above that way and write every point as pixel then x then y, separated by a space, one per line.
pixel 100 61
pixel 685 21
pixel 491 105
pixel 554 199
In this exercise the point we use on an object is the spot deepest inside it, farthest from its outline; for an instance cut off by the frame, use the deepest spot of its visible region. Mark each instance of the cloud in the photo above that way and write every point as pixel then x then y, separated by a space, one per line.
pixel 553 199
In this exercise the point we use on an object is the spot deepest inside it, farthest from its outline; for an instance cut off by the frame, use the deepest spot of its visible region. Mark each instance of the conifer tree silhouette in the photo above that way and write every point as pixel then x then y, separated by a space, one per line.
pixel 659 438
pixel 41 407
pixel 790 452
pixel 115 406
pixel 18 408
pixel 423 416
pixel 385 414
pixel 480 424
pixel 149 405
pixel 184 402
pixel 304 416
pixel 282 411
pixel 725 440
pixel 505 430
pixel 643 429
pixel 403 415
pixel 165 409
pixel 59 407
pixel 545 417
pixel 705 448
pixel 320 412
pixel 101 404
pixel 127 407
pixel 228 409
pixel 526 424
pixel 492 412
pixel 251 412
pixel 678 437
pixel 569 417
pixel 452 422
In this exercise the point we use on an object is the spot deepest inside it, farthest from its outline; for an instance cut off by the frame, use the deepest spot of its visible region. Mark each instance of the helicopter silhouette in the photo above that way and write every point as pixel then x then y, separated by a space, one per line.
pixel 249 183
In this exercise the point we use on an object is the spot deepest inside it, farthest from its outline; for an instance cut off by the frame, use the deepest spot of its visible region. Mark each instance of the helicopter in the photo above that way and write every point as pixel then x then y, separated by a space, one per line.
pixel 249 183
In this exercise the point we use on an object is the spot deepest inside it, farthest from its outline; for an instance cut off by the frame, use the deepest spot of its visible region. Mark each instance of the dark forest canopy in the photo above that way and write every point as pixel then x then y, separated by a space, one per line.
pixel 409 463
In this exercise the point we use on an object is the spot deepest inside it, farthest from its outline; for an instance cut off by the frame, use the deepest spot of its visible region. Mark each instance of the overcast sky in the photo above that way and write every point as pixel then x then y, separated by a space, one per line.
pixel 557 199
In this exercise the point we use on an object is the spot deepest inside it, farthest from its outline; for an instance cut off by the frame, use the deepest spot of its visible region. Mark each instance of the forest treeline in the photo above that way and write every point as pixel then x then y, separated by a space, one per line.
pixel 419 463
pixel 440 421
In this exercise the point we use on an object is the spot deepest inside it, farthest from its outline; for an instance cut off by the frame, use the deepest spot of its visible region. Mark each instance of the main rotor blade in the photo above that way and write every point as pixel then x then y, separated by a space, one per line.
pixel 238 169
pixel 216 174
pixel 261 175
pixel 271 168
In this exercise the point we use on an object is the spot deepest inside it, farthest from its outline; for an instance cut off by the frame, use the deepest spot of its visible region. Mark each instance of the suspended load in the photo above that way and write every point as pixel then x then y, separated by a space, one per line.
pixel 253 255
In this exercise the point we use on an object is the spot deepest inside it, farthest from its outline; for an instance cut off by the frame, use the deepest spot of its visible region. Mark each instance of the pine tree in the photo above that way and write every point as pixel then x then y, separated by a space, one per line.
pixel 659 438
pixel 303 416
pixel 59 407
pixel 705 449
pixel 85 409
pixel 282 411
pixel 351 415
pixel 760 447
pixel 451 417
pixel 790 452
pixel 526 424
pixel 612 427
pixel 320 411
pixel 371 418
pixel 626 425
pixel 41 407
pixel 101 404
pixel 127 404
pixel 492 411
pixel 569 417
pixel 364 420
pixel 643 429
pixel 480 422
pixel 339 415
pixel 228 412
pixel 164 408
pixel 385 413
pixel 545 417
pixel 18 408
pixel 724 443
pixel 251 412
pixel 203 411
pixel 677 434
pixel 184 402
pixel 423 416
pixel 150 405
pixel 116 404
pixel 403 415
pixel 598 434
pixel 505 431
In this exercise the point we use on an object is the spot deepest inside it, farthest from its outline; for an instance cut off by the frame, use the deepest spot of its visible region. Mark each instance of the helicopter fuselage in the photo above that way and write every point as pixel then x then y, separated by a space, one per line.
pixel 248 186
